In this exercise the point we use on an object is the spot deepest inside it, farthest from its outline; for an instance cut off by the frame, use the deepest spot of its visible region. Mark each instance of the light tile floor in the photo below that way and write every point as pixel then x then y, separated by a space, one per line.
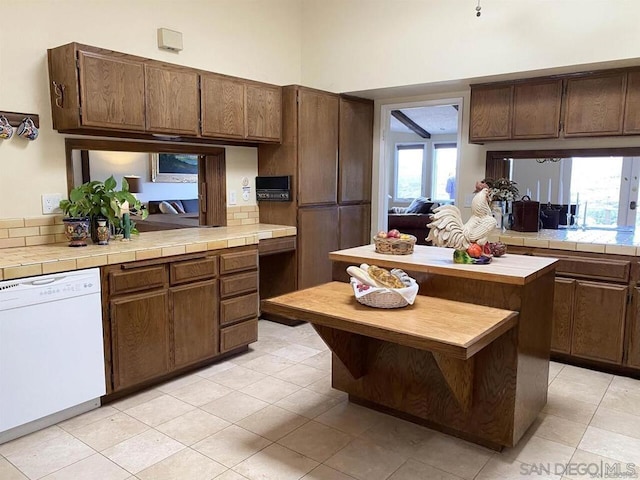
pixel 271 414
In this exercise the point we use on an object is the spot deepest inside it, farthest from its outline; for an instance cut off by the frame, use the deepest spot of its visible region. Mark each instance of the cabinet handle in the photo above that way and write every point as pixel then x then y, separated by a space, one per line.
pixel 58 89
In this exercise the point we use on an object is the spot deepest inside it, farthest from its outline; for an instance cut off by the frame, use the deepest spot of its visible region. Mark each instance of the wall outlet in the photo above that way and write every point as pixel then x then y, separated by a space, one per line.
pixel 232 197
pixel 50 203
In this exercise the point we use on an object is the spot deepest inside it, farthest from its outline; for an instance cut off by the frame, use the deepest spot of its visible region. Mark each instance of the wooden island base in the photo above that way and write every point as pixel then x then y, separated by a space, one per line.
pixel 448 364
pixel 469 358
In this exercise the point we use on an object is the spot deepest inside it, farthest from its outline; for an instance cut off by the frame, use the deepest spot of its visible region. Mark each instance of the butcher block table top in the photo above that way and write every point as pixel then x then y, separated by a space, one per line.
pixel 455 329
pixel 510 269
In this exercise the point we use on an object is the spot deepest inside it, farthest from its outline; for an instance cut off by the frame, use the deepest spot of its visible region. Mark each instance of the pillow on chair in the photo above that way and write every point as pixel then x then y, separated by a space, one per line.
pixel 420 205
pixel 166 207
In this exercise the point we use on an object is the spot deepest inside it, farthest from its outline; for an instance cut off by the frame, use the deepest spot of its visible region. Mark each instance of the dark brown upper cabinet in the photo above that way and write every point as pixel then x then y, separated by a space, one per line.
pixel 589 104
pixel 595 105
pixel 490 113
pixel 222 104
pixel 355 150
pixel 263 112
pixel 524 110
pixel 318 114
pixel 94 90
pixel 632 104
pixel 172 100
pixel 111 92
pixel 536 109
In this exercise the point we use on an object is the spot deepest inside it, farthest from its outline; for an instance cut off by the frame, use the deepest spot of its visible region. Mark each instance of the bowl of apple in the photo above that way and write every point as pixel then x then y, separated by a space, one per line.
pixel 394 242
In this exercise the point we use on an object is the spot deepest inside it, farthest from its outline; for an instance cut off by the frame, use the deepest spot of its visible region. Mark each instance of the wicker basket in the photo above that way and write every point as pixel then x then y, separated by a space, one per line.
pixel 384 297
pixel 394 246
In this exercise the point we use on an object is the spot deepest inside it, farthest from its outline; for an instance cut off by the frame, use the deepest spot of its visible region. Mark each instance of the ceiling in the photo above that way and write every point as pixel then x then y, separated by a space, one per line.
pixel 436 120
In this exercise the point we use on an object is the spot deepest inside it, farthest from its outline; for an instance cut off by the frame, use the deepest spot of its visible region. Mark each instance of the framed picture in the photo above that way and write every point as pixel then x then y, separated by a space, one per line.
pixel 174 168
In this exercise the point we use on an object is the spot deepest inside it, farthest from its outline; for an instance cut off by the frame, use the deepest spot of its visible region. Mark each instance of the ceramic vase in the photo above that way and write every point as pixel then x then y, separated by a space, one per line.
pixel 76 230
pixel 498 212
pixel 102 232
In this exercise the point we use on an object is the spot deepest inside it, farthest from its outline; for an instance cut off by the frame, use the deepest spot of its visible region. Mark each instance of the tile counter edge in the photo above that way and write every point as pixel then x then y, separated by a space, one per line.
pixel 592 241
pixel 19 262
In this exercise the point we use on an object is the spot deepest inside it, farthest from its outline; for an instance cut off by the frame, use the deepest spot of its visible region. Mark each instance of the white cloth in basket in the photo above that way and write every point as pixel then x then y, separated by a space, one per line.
pixel 408 293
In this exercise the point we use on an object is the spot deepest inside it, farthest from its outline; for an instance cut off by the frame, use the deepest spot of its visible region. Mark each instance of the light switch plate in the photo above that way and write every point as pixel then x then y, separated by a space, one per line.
pixel 232 197
pixel 50 202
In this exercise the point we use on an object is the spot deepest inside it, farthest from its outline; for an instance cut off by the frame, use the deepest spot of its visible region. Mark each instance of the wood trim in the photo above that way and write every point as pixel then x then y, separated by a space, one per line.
pixel 213 190
pixel 410 124
pixel 15 119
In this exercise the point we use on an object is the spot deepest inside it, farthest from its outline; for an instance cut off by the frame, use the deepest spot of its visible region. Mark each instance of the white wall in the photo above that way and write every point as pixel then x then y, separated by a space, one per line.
pixel 252 39
pixel 354 45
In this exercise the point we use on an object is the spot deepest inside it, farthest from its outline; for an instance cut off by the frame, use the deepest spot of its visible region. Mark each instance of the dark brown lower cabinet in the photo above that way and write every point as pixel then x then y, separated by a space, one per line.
pixel 596 308
pixel 139 338
pixel 317 236
pixel 155 328
pixel 598 321
pixel 563 301
pixel 633 331
pixel 355 225
pixel 195 321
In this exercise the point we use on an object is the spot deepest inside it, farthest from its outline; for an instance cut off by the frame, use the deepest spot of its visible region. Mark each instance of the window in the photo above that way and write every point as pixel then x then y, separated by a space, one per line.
pixel 444 171
pixel 425 170
pixel 605 195
pixel 410 170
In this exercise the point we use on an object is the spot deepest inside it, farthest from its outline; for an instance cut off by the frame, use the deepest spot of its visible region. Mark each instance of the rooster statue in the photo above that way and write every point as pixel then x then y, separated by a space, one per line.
pixel 447 229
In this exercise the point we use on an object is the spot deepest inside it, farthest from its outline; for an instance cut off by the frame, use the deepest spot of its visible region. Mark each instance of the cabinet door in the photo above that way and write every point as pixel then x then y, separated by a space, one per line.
pixel 633 345
pixel 195 322
pixel 490 113
pixel 598 321
pixel 263 112
pixel 222 107
pixel 536 109
pixel 317 236
pixel 632 104
pixel 355 225
pixel 112 92
pixel 172 100
pixel 355 151
pixel 595 105
pixel 317 147
pixel 140 338
pixel 563 301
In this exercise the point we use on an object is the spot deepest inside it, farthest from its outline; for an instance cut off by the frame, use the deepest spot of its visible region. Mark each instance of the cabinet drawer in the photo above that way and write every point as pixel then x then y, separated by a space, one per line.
pixel 190 270
pixel 240 308
pixel 238 261
pixel 270 246
pixel 146 278
pixel 237 335
pixel 616 270
pixel 237 284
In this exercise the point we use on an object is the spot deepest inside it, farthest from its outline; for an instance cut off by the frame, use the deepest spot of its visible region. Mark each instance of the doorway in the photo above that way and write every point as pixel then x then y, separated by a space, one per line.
pixel 420 154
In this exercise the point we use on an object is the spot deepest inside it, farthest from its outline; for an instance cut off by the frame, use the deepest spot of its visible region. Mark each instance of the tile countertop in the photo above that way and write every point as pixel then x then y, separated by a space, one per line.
pixel 21 262
pixel 595 241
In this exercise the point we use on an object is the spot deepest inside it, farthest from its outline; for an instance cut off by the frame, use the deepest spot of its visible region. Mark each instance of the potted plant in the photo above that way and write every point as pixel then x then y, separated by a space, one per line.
pixel 501 193
pixel 97 200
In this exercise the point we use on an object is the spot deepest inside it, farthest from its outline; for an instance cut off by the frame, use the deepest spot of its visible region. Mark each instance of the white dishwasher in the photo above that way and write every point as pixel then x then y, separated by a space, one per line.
pixel 51 350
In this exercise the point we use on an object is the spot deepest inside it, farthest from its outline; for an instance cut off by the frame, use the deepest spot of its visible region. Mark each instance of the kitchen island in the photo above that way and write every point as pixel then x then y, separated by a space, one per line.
pixel 448 361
